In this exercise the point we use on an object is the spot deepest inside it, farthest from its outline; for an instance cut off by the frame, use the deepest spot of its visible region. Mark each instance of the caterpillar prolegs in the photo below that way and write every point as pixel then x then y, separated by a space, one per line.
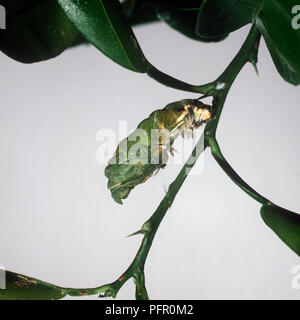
pixel 147 149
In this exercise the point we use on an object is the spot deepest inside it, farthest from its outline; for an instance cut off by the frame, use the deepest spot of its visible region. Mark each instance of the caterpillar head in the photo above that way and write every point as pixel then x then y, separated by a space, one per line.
pixel 202 113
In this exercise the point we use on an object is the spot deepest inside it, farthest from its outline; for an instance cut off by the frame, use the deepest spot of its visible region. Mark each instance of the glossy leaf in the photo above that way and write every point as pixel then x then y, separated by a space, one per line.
pixel 36 30
pixel 18 7
pixel 217 18
pixel 273 19
pixel 284 223
pixel 104 24
pixel 20 287
pixel 185 22
pixel 275 23
pixel 139 13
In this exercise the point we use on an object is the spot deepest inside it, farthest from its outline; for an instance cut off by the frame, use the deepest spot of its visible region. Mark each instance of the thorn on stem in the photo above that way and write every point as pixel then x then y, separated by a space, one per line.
pixel 254 64
pixel 135 233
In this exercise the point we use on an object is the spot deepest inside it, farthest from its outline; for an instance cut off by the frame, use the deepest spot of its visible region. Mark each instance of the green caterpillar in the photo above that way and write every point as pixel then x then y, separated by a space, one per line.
pixel 146 149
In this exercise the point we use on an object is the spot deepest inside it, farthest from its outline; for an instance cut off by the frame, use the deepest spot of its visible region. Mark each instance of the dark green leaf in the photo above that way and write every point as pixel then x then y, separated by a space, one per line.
pixel 275 23
pixel 80 40
pixel 184 22
pixel 105 25
pixel 284 223
pixel 217 18
pixel 273 19
pixel 139 13
pixel 18 7
pixel 20 287
pixel 36 30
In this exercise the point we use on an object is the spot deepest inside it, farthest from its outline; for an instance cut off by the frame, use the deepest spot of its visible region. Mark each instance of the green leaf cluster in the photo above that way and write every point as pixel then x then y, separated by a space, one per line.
pixel 42 29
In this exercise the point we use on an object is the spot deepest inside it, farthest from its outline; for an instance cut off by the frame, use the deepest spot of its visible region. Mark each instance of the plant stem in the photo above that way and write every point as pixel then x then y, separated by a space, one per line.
pixel 217 154
pixel 247 53
pixel 219 90
pixel 169 81
pixel 149 229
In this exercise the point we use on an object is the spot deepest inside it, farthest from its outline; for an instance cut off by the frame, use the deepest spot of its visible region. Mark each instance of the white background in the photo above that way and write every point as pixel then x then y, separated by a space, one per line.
pixel 58 220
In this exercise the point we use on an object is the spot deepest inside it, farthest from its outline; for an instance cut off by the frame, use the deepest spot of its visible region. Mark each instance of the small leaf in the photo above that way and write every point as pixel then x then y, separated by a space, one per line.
pixel 284 223
pixel 104 24
pixel 36 30
pixel 219 17
pixel 183 21
pixel 20 287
